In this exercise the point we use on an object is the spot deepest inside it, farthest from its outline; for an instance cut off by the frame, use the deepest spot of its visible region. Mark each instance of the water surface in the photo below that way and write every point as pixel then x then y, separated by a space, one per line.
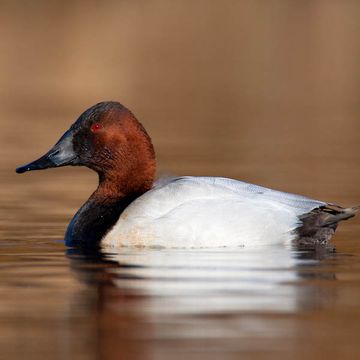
pixel 159 304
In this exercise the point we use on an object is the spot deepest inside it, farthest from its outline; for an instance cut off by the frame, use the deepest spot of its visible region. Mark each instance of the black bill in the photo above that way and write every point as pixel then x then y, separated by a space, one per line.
pixel 61 154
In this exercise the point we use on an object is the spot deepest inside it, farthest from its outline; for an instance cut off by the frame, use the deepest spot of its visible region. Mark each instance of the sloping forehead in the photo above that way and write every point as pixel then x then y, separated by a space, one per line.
pixel 97 113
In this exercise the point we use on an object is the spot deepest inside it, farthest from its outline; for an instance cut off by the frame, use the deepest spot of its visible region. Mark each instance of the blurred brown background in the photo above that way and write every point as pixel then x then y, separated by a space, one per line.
pixel 263 90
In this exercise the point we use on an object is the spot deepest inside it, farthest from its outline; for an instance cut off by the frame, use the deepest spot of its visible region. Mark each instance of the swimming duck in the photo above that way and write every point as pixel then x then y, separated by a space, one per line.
pixel 129 208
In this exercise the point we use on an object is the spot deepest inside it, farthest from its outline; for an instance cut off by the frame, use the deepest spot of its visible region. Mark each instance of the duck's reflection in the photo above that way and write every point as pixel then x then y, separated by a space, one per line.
pixel 206 281
pixel 147 296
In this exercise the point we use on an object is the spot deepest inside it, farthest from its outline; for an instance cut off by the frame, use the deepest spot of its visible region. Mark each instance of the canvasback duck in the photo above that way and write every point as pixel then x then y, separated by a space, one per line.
pixel 129 209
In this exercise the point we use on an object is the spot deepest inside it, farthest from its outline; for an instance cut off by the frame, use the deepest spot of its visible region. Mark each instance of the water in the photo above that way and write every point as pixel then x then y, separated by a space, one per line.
pixel 152 304
pixel 158 304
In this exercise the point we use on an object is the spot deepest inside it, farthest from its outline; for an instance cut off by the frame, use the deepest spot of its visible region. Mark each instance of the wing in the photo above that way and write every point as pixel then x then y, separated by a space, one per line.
pixel 300 204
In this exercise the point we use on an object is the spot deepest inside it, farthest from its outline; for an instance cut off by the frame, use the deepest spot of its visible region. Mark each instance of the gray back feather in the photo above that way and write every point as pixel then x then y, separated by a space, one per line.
pixel 301 203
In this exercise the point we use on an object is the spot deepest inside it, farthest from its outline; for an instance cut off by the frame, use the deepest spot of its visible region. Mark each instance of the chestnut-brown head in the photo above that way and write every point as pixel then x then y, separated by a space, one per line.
pixel 108 139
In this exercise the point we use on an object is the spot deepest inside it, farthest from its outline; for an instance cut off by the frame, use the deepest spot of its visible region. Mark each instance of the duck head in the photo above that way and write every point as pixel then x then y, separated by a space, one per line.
pixel 108 139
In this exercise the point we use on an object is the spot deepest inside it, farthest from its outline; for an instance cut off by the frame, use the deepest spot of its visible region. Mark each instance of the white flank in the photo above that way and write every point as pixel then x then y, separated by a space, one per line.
pixel 196 212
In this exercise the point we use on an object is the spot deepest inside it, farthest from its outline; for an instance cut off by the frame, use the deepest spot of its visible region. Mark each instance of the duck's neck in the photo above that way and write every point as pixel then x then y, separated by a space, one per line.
pixel 102 210
pixel 126 171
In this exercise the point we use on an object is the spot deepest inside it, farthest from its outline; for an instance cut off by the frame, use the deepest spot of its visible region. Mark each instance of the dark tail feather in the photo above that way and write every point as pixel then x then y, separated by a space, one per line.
pixel 319 225
pixel 340 214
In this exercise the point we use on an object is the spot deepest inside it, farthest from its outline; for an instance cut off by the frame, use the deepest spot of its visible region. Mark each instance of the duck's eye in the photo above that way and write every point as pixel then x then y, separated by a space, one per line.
pixel 96 127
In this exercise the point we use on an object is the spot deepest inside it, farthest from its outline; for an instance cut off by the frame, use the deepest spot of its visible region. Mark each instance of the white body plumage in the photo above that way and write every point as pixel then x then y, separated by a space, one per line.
pixel 195 212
